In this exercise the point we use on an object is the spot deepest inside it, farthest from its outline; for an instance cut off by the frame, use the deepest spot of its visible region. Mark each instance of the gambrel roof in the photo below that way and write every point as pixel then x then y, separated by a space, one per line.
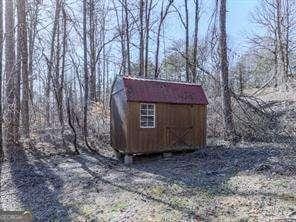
pixel 160 91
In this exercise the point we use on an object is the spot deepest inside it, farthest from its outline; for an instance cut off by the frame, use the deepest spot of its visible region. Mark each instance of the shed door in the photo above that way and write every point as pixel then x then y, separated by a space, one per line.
pixel 179 128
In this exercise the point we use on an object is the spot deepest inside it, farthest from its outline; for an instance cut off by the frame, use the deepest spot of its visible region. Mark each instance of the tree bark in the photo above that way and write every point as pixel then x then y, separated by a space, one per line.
pixel 22 27
pixel 9 72
pixel 141 31
pixel 93 79
pixel 147 34
pixel 32 32
pixel 127 34
pixel 50 62
pixel 1 72
pixel 229 131
pixel 195 44
pixel 187 58
pixel 86 79
pixel 280 47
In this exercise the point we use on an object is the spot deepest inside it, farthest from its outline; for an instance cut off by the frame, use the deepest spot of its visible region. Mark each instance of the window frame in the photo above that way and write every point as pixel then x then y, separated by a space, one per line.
pixel 148 115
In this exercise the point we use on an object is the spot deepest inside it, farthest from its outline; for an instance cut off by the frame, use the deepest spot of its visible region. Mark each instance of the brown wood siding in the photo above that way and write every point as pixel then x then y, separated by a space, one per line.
pixel 177 126
pixel 118 120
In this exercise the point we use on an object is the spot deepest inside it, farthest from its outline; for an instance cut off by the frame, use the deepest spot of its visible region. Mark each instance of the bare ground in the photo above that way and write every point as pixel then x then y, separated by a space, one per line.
pixel 243 183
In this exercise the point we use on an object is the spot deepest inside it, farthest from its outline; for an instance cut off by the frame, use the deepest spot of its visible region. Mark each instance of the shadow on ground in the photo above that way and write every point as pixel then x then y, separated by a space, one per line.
pixel 39 185
pixel 36 184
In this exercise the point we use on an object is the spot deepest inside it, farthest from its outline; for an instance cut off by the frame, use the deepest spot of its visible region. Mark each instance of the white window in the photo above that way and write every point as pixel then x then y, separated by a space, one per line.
pixel 147 115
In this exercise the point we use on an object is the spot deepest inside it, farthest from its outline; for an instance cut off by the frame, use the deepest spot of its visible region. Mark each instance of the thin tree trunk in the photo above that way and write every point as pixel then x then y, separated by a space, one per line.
pixel 281 56
pixel 187 63
pixel 287 40
pixel 241 78
pixel 86 82
pixel 17 81
pixel 127 34
pixel 62 77
pixel 22 22
pixel 141 49
pixel 276 62
pixel 50 62
pixel 163 14
pixel 93 79
pixel 195 44
pixel 1 72
pixel 229 131
pixel 32 37
pixel 147 34
pixel 70 112
pixel 56 78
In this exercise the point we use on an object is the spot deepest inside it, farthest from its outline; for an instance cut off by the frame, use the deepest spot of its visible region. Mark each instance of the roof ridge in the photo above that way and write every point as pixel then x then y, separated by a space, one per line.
pixel 160 80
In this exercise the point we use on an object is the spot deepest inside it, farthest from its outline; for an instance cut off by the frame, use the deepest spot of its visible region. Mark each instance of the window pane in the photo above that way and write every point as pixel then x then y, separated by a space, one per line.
pixel 144 112
pixel 151 123
pixel 150 118
pixel 144 118
pixel 151 106
pixel 144 124
pixel 143 106
pixel 151 112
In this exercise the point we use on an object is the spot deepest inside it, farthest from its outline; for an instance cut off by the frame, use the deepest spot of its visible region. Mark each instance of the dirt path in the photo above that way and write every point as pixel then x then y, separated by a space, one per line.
pixel 248 183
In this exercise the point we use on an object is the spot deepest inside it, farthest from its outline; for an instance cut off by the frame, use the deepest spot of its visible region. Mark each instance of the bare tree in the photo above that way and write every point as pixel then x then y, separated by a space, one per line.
pixel 229 131
pixel 276 18
pixel 141 31
pixel 86 79
pixel 148 9
pixel 163 14
pixel 33 13
pixel 10 72
pixel 127 36
pixel 1 69
pixel 93 59
pixel 50 61
pixel 279 42
pixel 22 32
pixel 187 59
pixel 195 42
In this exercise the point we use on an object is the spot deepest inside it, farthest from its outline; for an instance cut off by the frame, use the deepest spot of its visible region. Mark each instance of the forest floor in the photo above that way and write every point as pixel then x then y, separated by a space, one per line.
pixel 246 182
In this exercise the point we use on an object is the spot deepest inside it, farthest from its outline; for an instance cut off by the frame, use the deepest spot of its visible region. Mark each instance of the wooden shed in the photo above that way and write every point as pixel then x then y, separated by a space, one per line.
pixel 156 116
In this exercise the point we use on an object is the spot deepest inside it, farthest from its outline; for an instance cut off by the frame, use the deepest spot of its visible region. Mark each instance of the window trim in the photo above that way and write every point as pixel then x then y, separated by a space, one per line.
pixel 154 115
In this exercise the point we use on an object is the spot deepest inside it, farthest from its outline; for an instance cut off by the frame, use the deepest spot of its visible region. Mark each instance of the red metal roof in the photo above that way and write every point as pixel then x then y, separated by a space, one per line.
pixel 148 90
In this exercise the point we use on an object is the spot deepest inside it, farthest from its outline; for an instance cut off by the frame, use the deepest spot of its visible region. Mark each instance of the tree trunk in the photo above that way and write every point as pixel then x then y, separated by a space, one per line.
pixel 86 81
pixel 50 62
pixel 163 14
pixel 241 78
pixel 147 34
pixel 187 63
pixel 280 47
pixel 195 44
pixel 32 37
pixel 93 79
pixel 287 40
pixel 141 49
pixel 229 131
pixel 22 22
pixel 127 34
pixel 1 69
pixel 9 72
pixel 17 81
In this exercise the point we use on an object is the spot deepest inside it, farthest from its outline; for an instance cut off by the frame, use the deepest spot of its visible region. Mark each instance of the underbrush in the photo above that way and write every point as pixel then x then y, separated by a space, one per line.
pixel 255 119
